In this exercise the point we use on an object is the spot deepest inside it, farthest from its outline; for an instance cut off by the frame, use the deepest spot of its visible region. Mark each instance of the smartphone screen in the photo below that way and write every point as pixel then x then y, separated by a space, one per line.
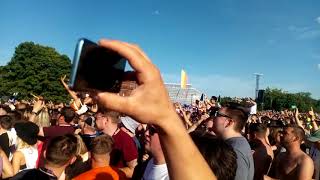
pixel 96 68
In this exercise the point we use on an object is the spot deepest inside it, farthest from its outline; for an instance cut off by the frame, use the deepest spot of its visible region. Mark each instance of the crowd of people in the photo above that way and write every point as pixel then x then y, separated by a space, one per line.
pixel 146 136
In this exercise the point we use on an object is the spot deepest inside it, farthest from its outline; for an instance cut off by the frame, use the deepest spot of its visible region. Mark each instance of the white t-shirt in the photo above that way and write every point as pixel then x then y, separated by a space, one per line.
pixel 253 109
pixel 31 156
pixel 155 172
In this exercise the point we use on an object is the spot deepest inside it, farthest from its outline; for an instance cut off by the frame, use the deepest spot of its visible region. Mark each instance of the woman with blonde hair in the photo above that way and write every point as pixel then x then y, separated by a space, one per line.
pixel 43 118
pixel 81 164
pixel 26 155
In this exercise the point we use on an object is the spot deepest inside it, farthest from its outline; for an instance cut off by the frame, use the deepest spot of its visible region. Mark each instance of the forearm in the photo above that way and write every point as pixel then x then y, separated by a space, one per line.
pixel 127 171
pixel 298 121
pixel 32 117
pixel 182 156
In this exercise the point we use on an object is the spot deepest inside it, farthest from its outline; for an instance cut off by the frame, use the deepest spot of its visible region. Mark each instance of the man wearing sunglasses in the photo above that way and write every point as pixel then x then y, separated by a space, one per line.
pixel 228 123
pixel 156 167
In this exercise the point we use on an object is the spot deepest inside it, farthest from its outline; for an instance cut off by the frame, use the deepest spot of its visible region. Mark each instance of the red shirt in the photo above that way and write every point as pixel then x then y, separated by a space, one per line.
pixel 51 132
pixel 124 150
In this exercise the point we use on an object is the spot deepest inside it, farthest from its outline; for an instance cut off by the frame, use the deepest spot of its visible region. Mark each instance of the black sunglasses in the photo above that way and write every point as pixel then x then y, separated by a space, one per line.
pixel 218 114
pixel 152 130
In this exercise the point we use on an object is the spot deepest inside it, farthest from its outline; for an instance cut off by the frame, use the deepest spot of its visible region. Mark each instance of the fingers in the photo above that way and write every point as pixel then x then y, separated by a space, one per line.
pixel 138 61
pixel 137 48
pixel 113 102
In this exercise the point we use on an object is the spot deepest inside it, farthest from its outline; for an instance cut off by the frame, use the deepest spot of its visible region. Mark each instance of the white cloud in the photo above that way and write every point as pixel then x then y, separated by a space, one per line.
pixel 304 32
pixel 312 34
pixel 298 29
pixel 156 12
pixel 318 19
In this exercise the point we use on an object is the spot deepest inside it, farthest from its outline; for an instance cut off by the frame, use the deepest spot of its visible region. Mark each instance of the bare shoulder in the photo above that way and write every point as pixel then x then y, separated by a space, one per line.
pixel 18 154
pixel 304 159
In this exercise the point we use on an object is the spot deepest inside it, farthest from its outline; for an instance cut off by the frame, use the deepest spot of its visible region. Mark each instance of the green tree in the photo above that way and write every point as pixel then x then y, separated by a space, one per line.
pixel 35 69
pixel 277 99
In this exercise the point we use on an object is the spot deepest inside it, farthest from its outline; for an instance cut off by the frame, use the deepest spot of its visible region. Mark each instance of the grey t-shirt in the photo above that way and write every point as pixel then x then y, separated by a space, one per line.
pixel 245 170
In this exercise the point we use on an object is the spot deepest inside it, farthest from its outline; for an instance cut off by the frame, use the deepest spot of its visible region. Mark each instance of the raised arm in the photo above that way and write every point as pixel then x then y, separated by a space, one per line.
pixel 313 120
pixel 72 93
pixel 185 117
pixel 296 117
pixel 149 103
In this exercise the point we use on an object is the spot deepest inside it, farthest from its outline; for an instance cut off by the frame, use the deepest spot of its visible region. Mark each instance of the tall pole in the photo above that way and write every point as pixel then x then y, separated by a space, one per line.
pixel 258 75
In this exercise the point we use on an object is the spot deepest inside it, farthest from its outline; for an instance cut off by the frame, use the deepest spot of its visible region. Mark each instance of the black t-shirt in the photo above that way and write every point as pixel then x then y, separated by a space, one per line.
pixel 4 143
pixel 34 174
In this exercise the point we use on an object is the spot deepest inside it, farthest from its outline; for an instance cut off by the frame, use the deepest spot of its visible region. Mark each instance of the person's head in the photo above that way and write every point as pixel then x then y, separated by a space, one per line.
pixel 213 99
pixel 229 119
pixel 275 134
pixel 81 146
pixel 27 133
pixel 254 118
pixel 101 148
pixel 61 151
pixel 292 135
pixel 67 115
pixel 107 119
pixel 128 125
pixel 6 122
pixel 257 131
pixel 152 141
pixel 219 155
pixel 43 119
pixel 209 126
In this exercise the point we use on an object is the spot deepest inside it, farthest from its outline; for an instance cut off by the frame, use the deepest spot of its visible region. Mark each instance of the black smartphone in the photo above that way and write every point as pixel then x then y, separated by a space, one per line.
pixel 95 68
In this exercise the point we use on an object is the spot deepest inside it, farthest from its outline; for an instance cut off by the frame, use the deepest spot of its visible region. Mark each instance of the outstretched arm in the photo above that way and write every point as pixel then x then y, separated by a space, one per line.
pixel 150 103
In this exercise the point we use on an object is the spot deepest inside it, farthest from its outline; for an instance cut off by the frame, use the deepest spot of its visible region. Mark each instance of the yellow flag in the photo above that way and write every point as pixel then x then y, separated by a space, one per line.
pixel 183 79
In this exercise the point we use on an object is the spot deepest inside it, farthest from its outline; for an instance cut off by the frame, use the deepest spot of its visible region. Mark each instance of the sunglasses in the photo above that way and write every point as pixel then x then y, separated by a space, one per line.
pixel 218 114
pixel 152 130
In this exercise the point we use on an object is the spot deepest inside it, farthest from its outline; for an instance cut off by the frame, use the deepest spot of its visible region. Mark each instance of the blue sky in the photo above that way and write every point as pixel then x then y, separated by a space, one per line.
pixel 220 43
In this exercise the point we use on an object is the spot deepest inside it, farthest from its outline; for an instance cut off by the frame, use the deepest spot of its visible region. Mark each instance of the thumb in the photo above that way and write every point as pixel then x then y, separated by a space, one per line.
pixel 113 102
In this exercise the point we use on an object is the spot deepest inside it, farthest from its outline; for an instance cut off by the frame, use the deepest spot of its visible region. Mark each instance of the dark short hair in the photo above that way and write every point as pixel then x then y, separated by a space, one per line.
pixel 102 144
pixel 239 115
pixel 258 128
pixel 68 114
pixel 6 122
pixel 219 155
pixel 214 98
pixel 297 131
pixel 61 149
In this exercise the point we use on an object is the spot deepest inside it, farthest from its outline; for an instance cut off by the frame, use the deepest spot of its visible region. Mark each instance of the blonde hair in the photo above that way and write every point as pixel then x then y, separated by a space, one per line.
pixel 81 146
pixel 43 119
pixel 22 144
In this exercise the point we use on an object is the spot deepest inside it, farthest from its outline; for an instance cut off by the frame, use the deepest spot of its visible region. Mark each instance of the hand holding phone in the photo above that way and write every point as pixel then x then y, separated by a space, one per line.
pixel 96 68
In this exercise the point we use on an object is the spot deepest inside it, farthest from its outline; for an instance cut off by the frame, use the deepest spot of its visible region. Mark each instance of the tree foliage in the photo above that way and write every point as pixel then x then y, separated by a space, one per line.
pixel 35 69
pixel 277 99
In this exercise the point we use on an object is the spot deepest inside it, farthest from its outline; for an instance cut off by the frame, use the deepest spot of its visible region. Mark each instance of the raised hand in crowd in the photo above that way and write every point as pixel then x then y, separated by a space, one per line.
pixel 150 103
pixel 77 100
pixel 37 107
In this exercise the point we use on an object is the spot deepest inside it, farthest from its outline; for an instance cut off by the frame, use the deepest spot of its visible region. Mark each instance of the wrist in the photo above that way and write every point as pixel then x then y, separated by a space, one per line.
pixel 171 124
